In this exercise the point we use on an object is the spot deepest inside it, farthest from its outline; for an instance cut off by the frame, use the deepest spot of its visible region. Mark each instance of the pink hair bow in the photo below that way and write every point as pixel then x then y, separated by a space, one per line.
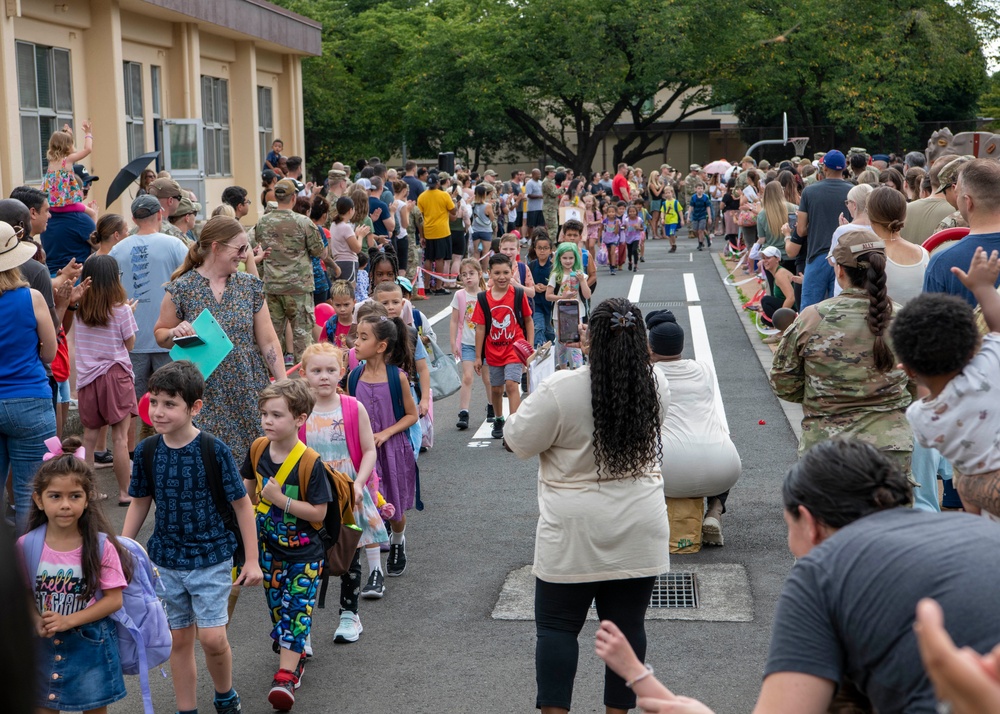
pixel 55 449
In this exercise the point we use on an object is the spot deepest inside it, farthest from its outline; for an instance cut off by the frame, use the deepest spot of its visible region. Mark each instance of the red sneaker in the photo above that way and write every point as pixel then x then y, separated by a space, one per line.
pixel 282 694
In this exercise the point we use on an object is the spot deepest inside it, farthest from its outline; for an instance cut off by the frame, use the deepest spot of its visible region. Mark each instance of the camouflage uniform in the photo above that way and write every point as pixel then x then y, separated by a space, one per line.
pixel 690 182
pixel 953 220
pixel 824 362
pixel 169 229
pixel 288 274
pixel 550 204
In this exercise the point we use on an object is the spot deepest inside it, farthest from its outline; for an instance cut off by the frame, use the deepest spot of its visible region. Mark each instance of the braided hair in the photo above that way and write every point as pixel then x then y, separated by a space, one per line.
pixel 625 398
pixel 841 480
pixel 870 275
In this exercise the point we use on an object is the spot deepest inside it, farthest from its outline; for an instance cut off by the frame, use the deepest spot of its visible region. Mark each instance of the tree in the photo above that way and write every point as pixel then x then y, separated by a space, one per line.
pixel 840 67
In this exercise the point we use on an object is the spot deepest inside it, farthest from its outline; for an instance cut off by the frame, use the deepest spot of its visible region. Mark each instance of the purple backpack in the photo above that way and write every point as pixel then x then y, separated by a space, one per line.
pixel 143 632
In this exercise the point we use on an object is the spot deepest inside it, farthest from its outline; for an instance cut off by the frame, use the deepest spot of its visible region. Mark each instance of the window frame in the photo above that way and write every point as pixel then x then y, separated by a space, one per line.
pixel 215 125
pixel 55 62
pixel 265 122
pixel 133 122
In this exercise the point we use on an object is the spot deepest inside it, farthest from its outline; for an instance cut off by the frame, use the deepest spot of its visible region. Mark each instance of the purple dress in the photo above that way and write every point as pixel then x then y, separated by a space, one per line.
pixel 394 463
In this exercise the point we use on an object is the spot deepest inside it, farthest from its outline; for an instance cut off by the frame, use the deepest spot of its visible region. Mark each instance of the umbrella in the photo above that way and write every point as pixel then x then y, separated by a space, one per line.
pixel 718 167
pixel 128 174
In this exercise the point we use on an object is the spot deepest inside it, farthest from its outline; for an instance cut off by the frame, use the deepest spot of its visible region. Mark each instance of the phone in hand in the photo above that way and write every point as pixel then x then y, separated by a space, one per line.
pixel 568 321
pixel 188 341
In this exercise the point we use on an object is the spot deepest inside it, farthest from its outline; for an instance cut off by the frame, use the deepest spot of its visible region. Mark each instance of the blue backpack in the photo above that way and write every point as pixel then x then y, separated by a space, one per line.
pixel 143 632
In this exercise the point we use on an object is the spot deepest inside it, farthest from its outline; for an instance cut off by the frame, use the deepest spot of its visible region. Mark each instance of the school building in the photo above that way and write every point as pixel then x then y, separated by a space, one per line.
pixel 207 83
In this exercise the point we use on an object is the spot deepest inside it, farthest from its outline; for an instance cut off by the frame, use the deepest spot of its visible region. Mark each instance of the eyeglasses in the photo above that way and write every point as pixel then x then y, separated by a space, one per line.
pixel 240 250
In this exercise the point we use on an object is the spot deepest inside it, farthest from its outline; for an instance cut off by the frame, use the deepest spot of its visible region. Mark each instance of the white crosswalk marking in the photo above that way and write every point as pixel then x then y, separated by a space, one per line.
pixel 690 288
pixel 441 315
pixel 484 431
pixel 703 353
pixel 636 290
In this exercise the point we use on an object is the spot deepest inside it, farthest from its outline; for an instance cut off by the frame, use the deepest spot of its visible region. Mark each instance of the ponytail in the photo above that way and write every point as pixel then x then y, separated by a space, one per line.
pixel 870 276
pixel 218 229
pixel 396 335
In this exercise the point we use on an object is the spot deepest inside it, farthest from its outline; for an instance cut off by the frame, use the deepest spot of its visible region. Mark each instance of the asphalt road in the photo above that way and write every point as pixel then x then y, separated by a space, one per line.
pixel 431 645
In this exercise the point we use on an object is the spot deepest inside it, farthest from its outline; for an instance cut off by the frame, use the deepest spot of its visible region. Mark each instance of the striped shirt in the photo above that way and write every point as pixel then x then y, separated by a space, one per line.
pixel 99 348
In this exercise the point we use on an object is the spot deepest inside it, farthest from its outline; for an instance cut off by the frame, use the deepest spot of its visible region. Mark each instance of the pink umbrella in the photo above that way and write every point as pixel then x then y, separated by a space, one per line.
pixel 718 167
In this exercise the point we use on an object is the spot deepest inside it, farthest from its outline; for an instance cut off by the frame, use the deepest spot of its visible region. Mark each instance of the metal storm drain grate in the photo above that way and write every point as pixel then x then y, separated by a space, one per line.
pixel 660 304
pixel 675 591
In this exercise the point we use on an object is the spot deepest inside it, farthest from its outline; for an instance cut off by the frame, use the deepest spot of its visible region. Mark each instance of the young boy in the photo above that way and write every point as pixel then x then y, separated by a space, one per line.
pixel 190 544
pixel 936 339
pixel 573 233
pixel 271 162
pixel 673 217
pixel 291 550
pixel 698 214
pixel 509 247
pixel 339 324
pixel 497 342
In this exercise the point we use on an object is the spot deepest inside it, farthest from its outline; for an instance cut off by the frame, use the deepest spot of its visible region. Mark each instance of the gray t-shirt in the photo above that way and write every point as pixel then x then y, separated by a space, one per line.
pixel 824 202
pixel 534 188
pixel 847 608
pixel 146 263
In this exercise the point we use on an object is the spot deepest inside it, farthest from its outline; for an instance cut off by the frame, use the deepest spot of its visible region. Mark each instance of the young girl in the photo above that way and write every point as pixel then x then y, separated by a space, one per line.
pixel 76 652
pixel 609 234
pixel 390 296
pixel 338 326
pixel 482 223
pixel 673 217
pixel 634 230
pixel 339 429
pixel 591 219
pixel 105 333
pixel 111 229
pixel 383 344
pixel 568 282
pixel 462 333
pixel 61 184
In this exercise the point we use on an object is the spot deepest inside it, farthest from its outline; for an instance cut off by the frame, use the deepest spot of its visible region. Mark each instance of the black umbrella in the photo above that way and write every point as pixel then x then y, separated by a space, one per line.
pixel 132 170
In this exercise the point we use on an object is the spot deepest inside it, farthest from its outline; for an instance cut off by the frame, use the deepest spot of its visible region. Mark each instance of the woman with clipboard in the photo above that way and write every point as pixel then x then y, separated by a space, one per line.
pixel 210 280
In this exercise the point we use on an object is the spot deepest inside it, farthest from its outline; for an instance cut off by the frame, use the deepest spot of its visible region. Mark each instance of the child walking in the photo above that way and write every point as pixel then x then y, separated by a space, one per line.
pixel 504 321
pixel 462 333
pixel 568 282
pixel 339 325
pixel 634 231
pixel 610 227
pixel 291 550
pixel 105 333
pixel 382 387
pixel 61 185
pixel 76 652
pixel 340 431
pixel 540 265
pixel 673 217
pixel 191 546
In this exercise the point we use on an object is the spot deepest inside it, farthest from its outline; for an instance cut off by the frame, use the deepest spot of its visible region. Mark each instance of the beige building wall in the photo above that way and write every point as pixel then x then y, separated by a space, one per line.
pixel 249 43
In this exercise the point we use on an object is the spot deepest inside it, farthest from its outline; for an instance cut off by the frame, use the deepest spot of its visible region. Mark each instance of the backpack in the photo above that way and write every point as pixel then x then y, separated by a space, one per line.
pixel 395 390
pixel 214 478
pixel 337 519
pixel 484 305
pixel 143 631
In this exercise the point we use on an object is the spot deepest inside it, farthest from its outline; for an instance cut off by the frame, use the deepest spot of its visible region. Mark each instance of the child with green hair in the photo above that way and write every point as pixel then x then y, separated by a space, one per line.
pixel 568 281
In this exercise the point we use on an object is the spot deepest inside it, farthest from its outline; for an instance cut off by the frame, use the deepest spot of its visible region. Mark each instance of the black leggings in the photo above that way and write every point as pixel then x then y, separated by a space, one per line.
pixel 560 611
pixel 633 252
pixel 350 585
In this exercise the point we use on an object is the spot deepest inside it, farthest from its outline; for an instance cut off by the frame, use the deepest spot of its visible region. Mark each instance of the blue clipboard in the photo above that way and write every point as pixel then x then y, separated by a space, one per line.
pixel 209 356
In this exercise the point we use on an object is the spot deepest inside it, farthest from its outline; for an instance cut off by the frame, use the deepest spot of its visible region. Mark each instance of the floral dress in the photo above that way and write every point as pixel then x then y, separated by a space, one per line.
pixel 230 402
pixel 62 187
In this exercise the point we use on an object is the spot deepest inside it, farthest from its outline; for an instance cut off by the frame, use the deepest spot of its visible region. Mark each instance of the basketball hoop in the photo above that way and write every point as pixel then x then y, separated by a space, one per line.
pixel 800 143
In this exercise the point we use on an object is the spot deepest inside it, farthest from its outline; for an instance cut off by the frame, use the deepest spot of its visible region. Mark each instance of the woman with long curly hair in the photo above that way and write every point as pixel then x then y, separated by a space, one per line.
pixel 602 532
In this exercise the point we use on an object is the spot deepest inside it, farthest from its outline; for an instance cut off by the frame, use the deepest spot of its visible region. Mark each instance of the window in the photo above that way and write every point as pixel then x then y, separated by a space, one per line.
pixel 135 129
pixel 215 117
pixel 155 82
pixel 724 109
pixel 265 122
pixel 45 101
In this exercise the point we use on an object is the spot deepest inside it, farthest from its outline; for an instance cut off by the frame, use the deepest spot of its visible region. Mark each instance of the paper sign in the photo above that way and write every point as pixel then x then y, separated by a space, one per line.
pixel 541 365
pixel 209 356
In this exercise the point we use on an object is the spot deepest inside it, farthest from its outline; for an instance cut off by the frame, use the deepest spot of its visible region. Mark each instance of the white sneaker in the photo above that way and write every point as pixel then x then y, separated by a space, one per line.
pixel 350 628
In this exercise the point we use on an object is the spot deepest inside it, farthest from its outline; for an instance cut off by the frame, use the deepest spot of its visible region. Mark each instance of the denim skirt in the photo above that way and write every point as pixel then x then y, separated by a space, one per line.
pixel 79 669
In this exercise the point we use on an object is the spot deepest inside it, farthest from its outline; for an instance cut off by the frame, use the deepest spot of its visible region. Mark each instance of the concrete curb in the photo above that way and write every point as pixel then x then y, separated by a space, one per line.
pixel 793 412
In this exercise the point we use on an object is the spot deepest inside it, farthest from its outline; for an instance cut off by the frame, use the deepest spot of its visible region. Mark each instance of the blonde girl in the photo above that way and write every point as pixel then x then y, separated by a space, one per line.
pixel 61 184
pixel 462 333
pixel 656 188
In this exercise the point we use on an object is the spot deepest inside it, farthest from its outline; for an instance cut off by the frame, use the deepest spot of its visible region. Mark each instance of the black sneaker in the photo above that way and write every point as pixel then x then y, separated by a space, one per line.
pixel 643 260
pixel 673 249
pixel 709 240
pixel 103 457
pixel 497 432
pixel 375 587
pixel 396 564
pixel 490 416
pixel 230 705
pixel 463 420
pixel 701 247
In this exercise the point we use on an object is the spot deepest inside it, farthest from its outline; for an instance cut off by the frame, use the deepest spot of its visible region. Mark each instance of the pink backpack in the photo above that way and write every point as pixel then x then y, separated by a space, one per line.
pixel 349 408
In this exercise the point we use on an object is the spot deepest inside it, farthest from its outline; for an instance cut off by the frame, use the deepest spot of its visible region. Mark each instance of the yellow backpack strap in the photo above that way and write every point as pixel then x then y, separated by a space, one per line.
pixel 284 470
pixel 256 451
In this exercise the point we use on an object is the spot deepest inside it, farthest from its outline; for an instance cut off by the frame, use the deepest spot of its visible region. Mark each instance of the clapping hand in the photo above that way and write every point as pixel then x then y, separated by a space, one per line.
pixel 983 271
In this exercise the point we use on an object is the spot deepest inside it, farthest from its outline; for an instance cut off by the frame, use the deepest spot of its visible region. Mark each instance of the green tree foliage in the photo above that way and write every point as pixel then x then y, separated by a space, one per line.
pixel 871 70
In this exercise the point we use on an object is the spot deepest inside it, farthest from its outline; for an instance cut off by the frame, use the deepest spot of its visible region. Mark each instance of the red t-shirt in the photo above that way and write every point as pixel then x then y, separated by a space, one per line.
pixel 619 187
pixel 503 330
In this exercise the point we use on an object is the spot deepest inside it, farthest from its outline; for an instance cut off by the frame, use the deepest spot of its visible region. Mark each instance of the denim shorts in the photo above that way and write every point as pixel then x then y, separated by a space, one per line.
pixel 468 353
pixel 199 596
pixel 64 396
pixel 505 373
